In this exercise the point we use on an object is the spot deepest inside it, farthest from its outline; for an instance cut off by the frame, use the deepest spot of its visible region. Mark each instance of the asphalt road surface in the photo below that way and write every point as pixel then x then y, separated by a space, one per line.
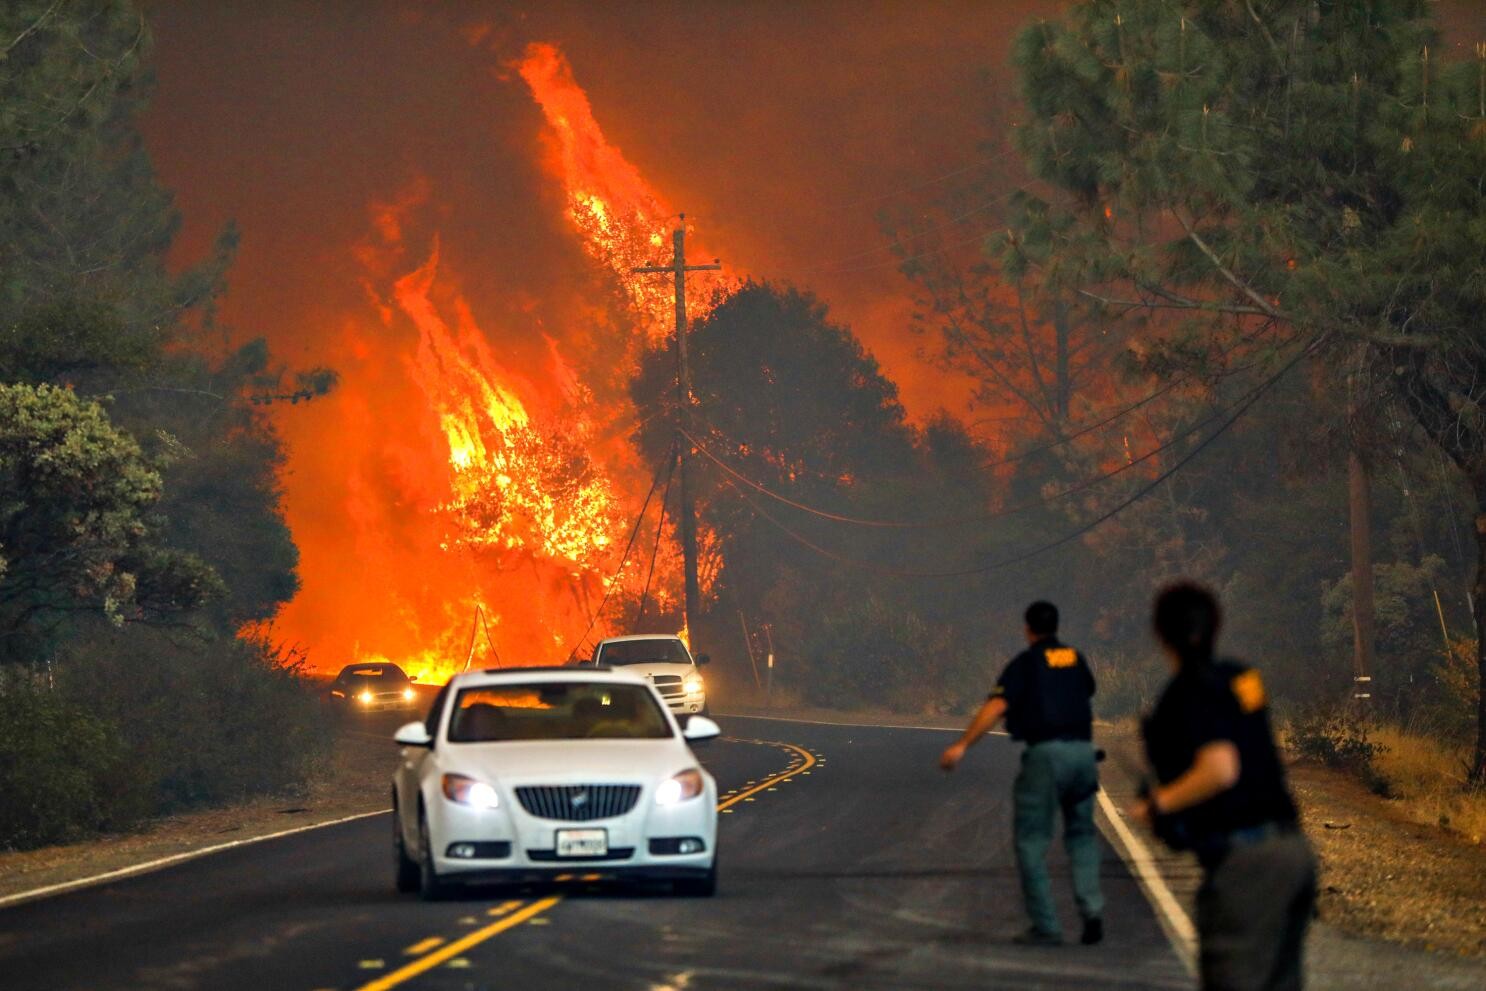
pixel 848 861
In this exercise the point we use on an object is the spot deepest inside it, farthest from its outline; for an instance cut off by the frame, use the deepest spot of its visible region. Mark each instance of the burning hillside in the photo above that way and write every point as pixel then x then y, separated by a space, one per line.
pixel 473 479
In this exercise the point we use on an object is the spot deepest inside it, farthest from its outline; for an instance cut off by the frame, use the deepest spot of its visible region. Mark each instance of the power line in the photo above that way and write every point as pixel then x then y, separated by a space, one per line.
pixel 660 529
pixel 609 586
pixel 978 517
pixel 1145 490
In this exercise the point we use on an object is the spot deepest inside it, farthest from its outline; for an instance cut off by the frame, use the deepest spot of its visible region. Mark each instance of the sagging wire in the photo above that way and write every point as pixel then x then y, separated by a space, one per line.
pixel 1074 489
pixel 623 560
pixel 1069 537
pixel 660 529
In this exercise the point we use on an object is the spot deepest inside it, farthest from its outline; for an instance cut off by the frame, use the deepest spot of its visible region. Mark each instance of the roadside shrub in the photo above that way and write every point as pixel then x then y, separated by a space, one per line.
pixel 1128 684
pixel 1457 684
pixel 1338 738
pixel 205 721
pixel 64 770
pixel 875 656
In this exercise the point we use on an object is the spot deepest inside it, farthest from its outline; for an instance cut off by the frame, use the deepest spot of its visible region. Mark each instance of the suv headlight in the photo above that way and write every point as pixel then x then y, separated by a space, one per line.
pixel 687 784
pixel 693 684
pixel 468 791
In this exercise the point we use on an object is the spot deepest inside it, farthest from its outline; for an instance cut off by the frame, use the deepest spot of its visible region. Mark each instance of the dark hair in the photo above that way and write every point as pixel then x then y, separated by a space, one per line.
pixel 1187 619
pixel 1042 618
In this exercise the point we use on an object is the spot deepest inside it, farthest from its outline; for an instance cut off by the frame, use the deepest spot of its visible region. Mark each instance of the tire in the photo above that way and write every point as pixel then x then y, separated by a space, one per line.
pixel 431 887
pixel 698 887
pixel 405 867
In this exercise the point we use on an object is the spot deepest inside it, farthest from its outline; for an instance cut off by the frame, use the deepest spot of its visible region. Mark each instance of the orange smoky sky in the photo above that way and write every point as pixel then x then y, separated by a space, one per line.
pixel 405 219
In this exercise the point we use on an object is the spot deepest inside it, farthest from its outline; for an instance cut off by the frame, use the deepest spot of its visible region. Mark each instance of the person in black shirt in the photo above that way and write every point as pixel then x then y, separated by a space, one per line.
pixel 1221 792
pixel 1044 695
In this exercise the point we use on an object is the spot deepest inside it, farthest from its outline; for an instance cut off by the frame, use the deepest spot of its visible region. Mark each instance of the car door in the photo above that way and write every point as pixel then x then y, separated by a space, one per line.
pixel 411 761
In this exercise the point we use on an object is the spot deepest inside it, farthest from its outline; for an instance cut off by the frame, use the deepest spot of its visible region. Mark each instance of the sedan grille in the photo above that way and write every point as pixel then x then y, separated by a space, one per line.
pixel 578 803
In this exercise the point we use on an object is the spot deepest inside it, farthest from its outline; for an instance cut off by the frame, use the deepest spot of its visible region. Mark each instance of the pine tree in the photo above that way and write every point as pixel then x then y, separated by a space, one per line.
pixel 1308 165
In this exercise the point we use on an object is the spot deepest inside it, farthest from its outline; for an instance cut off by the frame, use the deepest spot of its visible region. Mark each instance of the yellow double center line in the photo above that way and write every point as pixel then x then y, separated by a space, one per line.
pixel 526 913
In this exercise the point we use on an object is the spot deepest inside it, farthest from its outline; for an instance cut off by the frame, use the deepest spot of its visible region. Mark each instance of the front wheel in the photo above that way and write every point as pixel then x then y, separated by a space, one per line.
pixel 431 887
pixel 704 886
pixel 406 867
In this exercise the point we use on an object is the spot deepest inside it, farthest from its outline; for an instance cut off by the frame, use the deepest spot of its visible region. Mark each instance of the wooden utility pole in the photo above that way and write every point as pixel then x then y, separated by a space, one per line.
pixel 1359 513
pixel 678 268
pixel 1364 610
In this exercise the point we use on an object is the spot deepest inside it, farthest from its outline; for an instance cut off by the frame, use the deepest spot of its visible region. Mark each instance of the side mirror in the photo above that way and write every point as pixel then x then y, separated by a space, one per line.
pixel 412 677
pixel 703 659
pixel 413 735
pixel 699 728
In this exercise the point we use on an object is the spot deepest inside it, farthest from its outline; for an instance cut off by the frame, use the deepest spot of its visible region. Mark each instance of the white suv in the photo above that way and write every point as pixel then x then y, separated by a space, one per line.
pixel 665 662
pixel 530 774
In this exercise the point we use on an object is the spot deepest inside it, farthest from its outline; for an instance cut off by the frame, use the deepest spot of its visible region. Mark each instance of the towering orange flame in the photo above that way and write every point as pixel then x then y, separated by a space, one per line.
pixel 491 486
pixel 623 223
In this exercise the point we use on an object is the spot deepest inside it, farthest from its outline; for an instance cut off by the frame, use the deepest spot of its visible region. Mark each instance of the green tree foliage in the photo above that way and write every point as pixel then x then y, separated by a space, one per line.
pixel 1310 166
pixel 65 772
pixel 78 530
pixel 139 487
pixel 88 300
pixel 790 401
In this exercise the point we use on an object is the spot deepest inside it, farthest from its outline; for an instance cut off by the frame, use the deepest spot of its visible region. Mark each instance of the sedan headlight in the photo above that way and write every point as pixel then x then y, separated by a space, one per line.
pixel 365 697
pixel 693 684
pixel 687 784
pixel 408 693
pixel 468 791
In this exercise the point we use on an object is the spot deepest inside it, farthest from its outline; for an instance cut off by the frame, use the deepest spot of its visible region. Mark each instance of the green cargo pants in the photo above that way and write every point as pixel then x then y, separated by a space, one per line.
pixel 1057 774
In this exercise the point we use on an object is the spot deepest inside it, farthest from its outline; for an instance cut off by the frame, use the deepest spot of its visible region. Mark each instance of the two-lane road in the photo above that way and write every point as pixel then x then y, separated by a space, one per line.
pixel 849 861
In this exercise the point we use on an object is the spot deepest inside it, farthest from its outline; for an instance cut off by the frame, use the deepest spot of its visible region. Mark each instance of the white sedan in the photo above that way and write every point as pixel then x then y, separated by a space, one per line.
pixel 531 774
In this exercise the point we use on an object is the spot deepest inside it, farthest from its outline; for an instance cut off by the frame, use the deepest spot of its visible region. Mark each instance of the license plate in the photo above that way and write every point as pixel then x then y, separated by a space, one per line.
pixel 582 842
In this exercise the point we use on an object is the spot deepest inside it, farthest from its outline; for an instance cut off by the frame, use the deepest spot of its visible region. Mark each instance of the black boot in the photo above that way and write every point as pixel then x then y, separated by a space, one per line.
pixel 1093 931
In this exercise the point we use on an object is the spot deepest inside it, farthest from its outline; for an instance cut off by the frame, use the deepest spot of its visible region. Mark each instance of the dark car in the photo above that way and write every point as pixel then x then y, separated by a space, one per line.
pixel 374 688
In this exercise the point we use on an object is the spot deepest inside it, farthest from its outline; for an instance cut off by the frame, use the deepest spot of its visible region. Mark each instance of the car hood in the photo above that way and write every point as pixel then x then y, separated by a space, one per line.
pixel 571 761
pixel 648 671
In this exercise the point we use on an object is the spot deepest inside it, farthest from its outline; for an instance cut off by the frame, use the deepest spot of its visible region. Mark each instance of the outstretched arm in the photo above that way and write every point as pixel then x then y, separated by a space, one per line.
pixel 985 720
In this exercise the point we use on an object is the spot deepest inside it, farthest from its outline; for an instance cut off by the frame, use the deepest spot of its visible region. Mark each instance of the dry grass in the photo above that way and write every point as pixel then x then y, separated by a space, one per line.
pixel 1427 780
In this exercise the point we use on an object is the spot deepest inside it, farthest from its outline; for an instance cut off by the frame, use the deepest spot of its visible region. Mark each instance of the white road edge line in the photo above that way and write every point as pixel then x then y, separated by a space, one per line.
pixel 154 865
pixel 1137 856
pixel 1173 918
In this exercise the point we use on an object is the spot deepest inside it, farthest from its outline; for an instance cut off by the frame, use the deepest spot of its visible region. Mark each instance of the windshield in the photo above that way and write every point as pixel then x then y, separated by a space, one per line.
pixel 373 677
pixel 658 651
pixel 557 711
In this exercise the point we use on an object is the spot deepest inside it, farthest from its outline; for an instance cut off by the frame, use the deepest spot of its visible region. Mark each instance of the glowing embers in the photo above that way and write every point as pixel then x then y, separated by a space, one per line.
pixel 538 491
pixel 515 485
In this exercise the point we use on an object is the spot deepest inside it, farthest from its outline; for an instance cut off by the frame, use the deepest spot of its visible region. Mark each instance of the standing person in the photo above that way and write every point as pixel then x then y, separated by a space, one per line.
pixel 1044 695
pixel 1222 793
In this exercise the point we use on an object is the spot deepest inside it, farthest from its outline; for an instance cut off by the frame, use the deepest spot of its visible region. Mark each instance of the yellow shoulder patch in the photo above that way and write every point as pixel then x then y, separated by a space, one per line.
pixel 1061 657
pixel 1248 688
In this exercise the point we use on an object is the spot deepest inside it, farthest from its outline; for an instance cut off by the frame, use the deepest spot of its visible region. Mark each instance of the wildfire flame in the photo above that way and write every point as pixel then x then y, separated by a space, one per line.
pixel 516 485
pixel 622 222
pixel 494 488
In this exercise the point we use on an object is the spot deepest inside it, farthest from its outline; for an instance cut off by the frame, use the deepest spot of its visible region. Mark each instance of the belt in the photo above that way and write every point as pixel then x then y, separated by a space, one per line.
pixel 1212 849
